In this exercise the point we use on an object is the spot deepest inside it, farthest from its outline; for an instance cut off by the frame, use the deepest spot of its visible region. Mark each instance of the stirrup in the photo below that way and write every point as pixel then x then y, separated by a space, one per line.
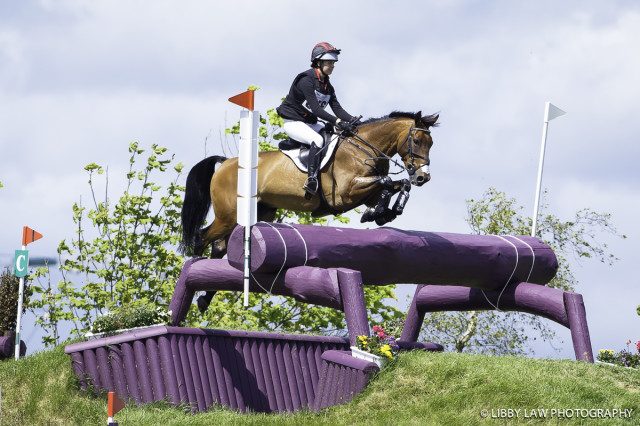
pixel 311 185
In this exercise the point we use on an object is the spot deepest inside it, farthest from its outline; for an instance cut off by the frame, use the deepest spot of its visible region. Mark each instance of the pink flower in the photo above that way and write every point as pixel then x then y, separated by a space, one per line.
pixel 380 334
pixel 377 329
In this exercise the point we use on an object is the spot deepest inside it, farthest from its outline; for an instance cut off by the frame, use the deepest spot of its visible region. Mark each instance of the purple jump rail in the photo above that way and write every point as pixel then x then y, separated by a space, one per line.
pixel 337 288
pixel 391 256
pixel 564 307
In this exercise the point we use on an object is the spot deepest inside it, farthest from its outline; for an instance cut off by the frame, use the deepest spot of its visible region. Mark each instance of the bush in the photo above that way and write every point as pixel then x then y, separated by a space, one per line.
pixel 9 287
pixel 130 317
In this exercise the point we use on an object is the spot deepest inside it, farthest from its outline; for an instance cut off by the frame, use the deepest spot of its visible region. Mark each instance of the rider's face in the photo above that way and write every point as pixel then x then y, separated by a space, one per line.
pixel 327 67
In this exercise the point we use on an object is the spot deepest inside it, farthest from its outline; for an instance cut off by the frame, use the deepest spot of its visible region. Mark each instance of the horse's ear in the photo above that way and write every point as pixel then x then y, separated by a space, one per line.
pixel 430 120
pixel 418 116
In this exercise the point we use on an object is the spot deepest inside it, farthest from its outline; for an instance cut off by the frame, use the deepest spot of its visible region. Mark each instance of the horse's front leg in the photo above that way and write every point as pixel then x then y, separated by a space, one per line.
pixel 403 187
pixel 380 204
pixel 380 211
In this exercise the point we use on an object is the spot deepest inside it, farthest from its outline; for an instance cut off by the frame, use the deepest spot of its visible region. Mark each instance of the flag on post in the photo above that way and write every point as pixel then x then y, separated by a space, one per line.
pixel 29 235
pixel 551 111
pixel 115 404
pixel 245 99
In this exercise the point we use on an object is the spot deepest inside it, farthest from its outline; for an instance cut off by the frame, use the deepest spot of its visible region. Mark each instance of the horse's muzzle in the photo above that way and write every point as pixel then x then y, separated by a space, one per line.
pixel 421 176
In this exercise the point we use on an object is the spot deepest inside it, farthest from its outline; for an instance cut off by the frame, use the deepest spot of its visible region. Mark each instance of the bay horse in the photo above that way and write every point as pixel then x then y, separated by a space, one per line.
pixel 357 175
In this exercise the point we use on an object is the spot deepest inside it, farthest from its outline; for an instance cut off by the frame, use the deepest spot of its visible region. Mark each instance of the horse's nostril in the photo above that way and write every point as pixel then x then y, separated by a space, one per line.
pixel 420 179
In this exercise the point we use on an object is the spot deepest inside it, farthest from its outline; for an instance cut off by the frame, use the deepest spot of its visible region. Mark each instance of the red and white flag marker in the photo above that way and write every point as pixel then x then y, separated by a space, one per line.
pixel 21 270
pixel 247 208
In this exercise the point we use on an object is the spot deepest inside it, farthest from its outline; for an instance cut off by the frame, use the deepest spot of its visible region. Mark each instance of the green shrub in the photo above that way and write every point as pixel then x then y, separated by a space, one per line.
pixel 130 317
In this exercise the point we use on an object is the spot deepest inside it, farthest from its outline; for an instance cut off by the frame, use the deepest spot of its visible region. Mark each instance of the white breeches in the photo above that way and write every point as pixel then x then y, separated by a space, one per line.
pixel 303 132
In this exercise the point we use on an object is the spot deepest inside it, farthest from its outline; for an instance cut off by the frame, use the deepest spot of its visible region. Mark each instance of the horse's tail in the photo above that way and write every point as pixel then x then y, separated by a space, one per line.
pixel 197 201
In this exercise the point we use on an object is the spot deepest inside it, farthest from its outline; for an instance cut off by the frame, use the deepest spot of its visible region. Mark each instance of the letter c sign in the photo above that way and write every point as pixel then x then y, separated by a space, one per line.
pixel 21 265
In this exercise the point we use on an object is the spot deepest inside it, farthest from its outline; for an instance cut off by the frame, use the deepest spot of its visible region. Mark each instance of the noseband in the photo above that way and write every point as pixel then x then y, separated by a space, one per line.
pixel 409 141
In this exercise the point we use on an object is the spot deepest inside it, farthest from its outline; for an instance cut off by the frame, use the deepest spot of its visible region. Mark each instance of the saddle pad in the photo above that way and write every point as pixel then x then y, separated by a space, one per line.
pixel 294 155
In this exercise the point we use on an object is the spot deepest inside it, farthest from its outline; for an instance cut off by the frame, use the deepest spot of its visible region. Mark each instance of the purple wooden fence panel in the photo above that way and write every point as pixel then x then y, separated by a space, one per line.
pixel 246 371
pixel 342 378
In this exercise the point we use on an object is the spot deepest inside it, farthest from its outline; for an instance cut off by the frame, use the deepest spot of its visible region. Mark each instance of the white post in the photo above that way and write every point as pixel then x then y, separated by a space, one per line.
pixel 550 112
pixel 248 186
pixel 19 316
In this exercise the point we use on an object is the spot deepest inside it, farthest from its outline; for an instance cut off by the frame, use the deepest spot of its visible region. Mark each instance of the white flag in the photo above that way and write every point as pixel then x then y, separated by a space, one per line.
pixel 551 111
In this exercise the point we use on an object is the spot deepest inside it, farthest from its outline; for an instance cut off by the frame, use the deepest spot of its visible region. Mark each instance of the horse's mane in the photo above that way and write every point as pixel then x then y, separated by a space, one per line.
pixel 399 114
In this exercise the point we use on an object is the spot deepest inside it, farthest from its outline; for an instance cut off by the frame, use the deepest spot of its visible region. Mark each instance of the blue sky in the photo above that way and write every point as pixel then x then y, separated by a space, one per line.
pixel 79 80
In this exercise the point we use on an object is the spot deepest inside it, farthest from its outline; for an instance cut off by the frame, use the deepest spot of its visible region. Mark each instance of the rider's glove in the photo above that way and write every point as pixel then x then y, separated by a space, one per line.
pixel 346 128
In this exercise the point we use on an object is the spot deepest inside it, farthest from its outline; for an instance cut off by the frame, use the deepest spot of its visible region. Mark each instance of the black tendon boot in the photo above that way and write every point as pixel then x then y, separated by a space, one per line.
pixel 311 185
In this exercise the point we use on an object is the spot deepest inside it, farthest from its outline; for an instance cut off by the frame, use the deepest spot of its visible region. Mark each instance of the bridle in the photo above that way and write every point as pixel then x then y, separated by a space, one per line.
pixel 380 155
pixel 410 142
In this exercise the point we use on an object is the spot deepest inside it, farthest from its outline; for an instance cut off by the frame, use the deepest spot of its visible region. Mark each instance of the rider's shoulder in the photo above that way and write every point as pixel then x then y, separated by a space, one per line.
pixel 306 75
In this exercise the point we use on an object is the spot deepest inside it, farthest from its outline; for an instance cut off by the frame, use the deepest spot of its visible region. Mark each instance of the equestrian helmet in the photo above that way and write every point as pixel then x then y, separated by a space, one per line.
pixel 324 52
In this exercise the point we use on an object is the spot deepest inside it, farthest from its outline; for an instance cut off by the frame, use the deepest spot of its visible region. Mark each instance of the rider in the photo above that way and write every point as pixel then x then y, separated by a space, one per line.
pixel 309 95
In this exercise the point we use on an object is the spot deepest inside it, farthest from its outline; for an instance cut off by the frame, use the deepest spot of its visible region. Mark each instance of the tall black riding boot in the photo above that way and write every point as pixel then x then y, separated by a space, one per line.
pixel 311 185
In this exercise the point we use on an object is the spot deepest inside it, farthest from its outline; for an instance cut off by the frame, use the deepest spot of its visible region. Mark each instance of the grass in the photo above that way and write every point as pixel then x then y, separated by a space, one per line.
pixel 417 388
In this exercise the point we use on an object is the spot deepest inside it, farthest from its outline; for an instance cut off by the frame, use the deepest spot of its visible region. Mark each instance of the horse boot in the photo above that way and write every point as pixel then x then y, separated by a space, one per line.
pixel 403 197
pixel 311 184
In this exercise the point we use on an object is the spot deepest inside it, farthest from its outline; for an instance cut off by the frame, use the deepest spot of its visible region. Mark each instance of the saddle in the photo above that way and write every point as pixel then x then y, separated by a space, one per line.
pixel 299 152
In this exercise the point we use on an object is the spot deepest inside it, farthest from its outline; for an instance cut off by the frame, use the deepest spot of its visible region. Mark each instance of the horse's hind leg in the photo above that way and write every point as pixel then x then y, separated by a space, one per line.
pixel 217 235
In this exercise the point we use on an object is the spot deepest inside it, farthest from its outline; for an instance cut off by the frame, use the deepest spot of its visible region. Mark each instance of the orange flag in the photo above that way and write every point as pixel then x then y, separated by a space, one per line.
pixel 115 404
pixel 29 235
pixel 244 99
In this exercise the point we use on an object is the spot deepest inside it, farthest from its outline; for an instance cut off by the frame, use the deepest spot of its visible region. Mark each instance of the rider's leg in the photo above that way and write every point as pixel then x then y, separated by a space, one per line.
pixel 311 185
pixel 307 134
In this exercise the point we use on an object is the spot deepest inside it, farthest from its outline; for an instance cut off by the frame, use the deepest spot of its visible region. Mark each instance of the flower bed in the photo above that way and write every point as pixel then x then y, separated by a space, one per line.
pixel 381 345
pixel 624 358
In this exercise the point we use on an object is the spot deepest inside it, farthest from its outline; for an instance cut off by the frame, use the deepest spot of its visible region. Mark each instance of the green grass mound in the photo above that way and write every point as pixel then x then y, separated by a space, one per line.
pixel 417 388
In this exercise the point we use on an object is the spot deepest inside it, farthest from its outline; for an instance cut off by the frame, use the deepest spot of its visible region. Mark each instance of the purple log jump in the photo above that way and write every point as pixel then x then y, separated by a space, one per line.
pixel 391 256
pixel 563 307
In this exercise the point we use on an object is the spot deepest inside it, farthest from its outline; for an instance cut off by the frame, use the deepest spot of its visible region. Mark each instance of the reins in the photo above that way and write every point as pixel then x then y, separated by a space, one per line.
pixel 382 156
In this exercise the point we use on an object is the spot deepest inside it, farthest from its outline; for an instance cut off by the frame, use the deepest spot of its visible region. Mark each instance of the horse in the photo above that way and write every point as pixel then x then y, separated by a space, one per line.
pixel 357 175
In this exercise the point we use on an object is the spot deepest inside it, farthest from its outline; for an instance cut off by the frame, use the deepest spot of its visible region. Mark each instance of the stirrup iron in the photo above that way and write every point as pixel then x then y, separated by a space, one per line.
pixel 311 187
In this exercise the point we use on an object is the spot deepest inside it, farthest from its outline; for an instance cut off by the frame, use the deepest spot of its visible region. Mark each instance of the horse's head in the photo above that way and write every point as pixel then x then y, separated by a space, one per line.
pixel 414 148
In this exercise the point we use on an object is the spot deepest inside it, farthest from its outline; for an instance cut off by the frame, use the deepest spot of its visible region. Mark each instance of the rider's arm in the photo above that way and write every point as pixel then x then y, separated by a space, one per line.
pixel 338 110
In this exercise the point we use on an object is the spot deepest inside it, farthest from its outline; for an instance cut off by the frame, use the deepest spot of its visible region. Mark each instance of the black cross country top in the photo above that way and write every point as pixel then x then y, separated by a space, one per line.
pixel 308 97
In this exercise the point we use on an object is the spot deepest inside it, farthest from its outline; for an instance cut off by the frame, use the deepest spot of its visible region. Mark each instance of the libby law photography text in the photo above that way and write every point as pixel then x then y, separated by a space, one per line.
pixel 557 413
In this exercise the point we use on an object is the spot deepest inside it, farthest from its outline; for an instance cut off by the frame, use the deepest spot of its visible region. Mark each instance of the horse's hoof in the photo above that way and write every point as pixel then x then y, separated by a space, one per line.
pixel 368 215
pixel 203 304
pixel 386 217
